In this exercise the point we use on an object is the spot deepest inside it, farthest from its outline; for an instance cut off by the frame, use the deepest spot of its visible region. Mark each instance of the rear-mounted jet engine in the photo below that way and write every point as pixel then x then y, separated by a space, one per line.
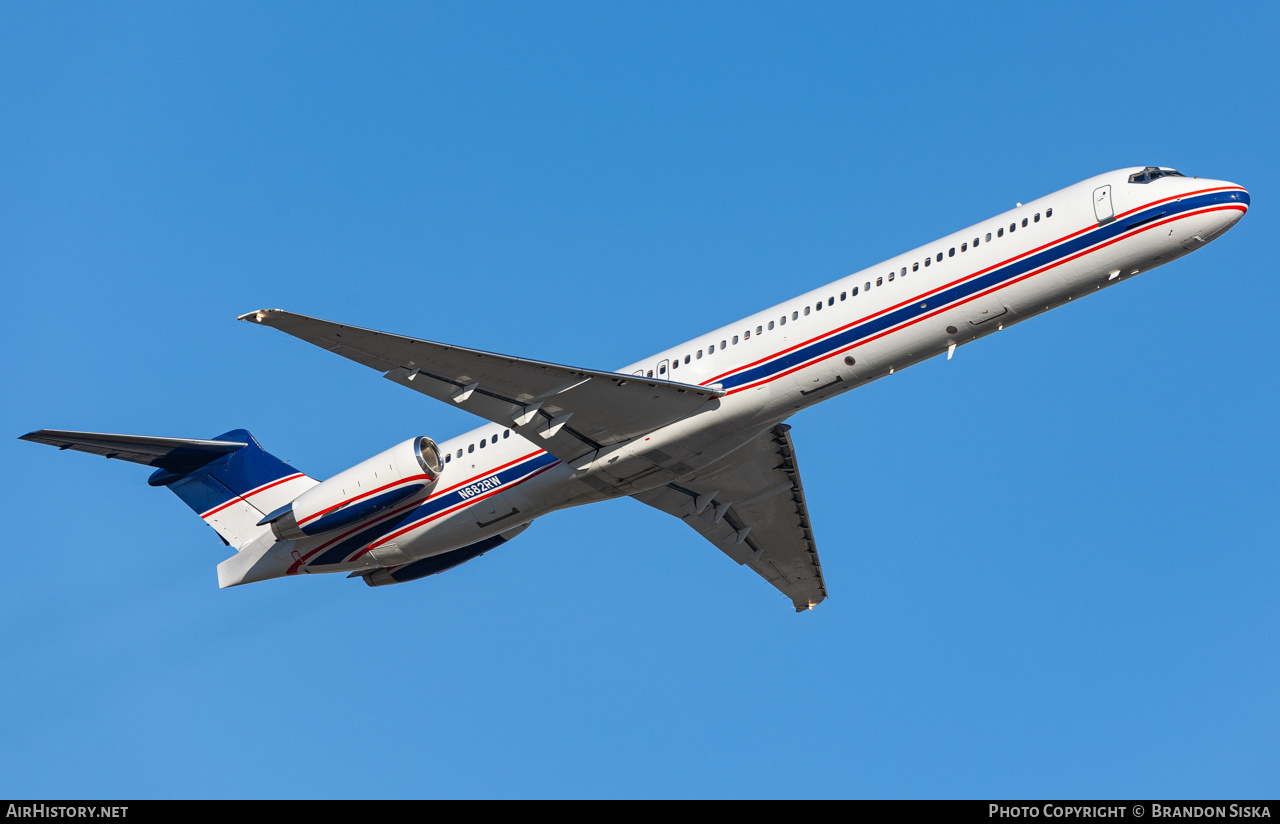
pixel 359 493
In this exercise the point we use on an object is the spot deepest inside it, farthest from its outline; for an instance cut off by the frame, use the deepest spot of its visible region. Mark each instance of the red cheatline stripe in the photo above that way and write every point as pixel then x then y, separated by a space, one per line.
pixel 416 524
pixel 393 513
pixel 735 370
pixel 251 493
pixel 1239 207
pixel 1180 197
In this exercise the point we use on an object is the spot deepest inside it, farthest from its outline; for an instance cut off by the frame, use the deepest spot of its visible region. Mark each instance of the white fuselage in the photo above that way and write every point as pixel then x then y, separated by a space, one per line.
pixel 808 349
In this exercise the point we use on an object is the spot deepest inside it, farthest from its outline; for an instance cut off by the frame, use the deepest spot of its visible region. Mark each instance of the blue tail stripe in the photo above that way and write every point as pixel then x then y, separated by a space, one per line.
pixel 235 474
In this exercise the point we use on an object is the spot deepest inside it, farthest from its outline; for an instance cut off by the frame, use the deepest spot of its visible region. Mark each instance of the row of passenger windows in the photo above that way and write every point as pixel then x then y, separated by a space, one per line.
pixel 964 247
pixel 506 433
pixel 866 287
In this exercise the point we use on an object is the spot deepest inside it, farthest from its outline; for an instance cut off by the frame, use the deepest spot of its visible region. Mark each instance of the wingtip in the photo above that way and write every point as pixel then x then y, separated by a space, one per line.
pixel 259 316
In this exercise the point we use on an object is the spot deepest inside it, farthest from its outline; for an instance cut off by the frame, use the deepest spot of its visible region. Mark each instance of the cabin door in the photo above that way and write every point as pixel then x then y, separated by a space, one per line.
pixel 1102 208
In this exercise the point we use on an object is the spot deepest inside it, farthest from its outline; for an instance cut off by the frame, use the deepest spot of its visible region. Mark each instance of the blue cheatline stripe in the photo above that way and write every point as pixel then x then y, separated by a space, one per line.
pixel 969 288
pixel 348 546
pixel 337 553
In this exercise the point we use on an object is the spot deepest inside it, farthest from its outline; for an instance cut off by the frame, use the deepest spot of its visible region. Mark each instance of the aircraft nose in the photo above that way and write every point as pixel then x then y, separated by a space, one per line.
pixel 1226 203
pixel 1238 200
pixel 1241 196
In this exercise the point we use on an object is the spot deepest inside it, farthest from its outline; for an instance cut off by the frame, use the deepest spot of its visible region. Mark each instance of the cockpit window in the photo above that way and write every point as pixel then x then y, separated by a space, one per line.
pixel 1153 173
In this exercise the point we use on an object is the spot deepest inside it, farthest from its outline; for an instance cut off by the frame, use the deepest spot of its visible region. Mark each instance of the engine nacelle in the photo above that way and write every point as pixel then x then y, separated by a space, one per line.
pixel 361 492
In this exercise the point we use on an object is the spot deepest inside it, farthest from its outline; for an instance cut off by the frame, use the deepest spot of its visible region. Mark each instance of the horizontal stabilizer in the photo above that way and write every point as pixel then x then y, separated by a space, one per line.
pixel 177 455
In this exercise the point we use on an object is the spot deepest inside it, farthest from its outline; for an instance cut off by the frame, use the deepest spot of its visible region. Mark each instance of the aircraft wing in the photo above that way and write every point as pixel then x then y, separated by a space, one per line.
pixel 751 506
pixel 565 410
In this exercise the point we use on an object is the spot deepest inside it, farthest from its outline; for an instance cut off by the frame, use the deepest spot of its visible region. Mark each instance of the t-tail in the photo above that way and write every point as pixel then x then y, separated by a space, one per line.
pixel 230 481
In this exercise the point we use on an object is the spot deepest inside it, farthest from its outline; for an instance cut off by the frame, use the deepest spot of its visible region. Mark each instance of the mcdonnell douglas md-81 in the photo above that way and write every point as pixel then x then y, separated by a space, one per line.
pixel 695 431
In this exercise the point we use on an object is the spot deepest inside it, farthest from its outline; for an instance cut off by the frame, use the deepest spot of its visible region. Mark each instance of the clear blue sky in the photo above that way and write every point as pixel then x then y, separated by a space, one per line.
pixel 1052 561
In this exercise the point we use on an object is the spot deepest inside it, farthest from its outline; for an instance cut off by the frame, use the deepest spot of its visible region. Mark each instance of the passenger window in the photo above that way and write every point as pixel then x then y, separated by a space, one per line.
pixel 842 296
pixel 735 340
pixel 459 453
pixel 854 291
pixel 988 238
pixel 746 335
pixel 1013 227
pixel 662 369
pixel 1037 218
pixel 831 301
pixel 964 247
pixel 975 242
pixel 649 374
pixel 471 448
pixel 819 306
pixel 915 267
pixel 675 364
pixel 447 456
pixel 699 355
pixel 903 272
pixel 482 442
pixel 806 310
pixel 760 330
pixel 771 325
pixel 891 276
pixel 506 433
pixel 1048 213
pixel 782 321
pixel 686 358
pixel 1000 232
pixel 795 315
pixel 1024 222
pixel 928 261
pixel 950 252
pixel 879 281
pixel 723 344
pixel 939 257
pixel 867 288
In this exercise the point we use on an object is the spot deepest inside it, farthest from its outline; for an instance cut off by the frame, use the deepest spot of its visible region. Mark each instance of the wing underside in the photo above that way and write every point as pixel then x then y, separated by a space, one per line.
pixel 565 410
pixel 752 507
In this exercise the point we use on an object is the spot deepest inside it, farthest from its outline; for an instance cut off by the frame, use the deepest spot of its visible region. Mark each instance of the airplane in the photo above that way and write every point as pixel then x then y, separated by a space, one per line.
pixel 696 430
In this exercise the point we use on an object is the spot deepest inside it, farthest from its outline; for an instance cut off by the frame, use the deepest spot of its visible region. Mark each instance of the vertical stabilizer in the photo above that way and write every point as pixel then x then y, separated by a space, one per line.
pixel 236 491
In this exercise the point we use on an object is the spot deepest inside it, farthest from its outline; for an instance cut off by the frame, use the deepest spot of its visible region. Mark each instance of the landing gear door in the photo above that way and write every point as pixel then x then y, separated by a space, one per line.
pixel 1102 208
